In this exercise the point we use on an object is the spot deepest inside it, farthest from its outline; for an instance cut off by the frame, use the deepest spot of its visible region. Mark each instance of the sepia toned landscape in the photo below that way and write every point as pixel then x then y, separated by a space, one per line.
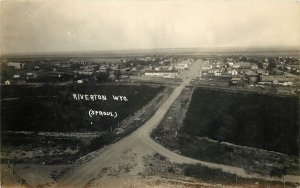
pixel 183 94
pixel 179 122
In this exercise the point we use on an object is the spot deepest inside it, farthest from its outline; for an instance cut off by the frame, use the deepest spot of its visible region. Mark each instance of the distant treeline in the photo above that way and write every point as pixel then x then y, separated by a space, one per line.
pixel 262 121
pixel 53 108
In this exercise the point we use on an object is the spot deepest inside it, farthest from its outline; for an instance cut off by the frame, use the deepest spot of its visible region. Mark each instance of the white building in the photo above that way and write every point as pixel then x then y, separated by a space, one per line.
pixel 181 66
pixel 234 72
pixel 15 65
pixel 230 63
pixel 206 67
pixel 16 76
pixel 254 67
pixel 161 74
pixel 7 82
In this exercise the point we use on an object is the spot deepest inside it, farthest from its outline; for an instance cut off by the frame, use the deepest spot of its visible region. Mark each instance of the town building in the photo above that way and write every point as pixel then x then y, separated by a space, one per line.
pixel 7 82
pixel 15 65
pixel 181 66
pixel 162 74
pixel 251 75
pixel 276 80
pixel 236 80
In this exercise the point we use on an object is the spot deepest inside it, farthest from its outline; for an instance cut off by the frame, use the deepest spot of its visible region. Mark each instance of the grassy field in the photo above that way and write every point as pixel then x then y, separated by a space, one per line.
pixel 194 141
pixel 218 176
pixel 45 125
pixel 37 149
pixel 53 108
pixel 262 121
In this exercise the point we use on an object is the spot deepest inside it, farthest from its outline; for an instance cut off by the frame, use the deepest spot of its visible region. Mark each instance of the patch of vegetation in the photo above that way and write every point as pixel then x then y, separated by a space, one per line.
pixel 98 142
pixel 53 108
pixel 207 174
pixel 65 149
pixel 47 149
pixel 262 121
pixel 217 175
pixel 251 159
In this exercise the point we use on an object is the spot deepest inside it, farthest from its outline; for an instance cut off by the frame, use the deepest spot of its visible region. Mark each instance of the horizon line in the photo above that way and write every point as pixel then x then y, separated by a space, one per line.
pixel 152 50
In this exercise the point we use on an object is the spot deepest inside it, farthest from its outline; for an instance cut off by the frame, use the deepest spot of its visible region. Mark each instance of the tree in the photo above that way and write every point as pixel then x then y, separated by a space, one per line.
pixel 117 74
pixel 258 78
pixel 102 76
pixel 271 65
pixel 5 76
pixel 259 64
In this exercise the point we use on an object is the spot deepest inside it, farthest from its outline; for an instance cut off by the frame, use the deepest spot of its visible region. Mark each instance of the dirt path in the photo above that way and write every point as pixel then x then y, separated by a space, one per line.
pixel 140 143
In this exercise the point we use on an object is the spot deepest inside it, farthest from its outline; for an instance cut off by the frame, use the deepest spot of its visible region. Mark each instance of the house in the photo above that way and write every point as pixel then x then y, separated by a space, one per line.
pixel 102 68
pixel 251 75
pixel 134 69
pixel 85 72
pixel 285 81
pixel 204 73
pixel 236 80
pixel 31 75
pixel 15 65
pixel 230 63
pixel 125 70
pixel 148 68
pixel 277 80
pixel 254 67
pixel 17 76
pixel 268 80
pixel 262 72
pixel 181 66
pixel 7 82
pixel 234 72
pixel 217 73
pixel 242 65
pixel 236 65
pixel 225 74
pixel 167 68
pixel 206 65
pixel 111 75
pixel 65 65
pixel 124 77
pixel 218 64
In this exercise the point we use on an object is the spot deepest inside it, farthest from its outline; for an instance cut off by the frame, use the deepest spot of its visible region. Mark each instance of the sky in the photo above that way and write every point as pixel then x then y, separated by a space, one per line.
pixel 29 26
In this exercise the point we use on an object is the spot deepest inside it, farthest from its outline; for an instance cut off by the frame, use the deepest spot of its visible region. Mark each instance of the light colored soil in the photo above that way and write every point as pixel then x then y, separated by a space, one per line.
pixel 32 175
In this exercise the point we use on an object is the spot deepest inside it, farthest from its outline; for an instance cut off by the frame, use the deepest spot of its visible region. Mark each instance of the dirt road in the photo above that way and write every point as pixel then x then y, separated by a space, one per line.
pixel 140 143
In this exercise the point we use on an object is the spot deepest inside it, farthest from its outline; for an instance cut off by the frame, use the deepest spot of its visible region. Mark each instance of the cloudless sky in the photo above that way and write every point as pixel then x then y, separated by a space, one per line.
pixel 77 25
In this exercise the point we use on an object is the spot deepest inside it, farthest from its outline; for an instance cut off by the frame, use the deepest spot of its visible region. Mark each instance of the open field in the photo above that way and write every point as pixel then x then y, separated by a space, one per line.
pixel 53 108
pixel 30 144
pixel 173 135
pixel 263 121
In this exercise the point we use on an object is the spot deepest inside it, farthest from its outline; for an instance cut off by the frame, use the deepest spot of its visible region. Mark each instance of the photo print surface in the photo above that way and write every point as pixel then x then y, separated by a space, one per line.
pixel 151 93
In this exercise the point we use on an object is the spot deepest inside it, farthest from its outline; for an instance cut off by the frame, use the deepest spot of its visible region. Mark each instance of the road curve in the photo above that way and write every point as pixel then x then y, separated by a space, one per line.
pixel 85 173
